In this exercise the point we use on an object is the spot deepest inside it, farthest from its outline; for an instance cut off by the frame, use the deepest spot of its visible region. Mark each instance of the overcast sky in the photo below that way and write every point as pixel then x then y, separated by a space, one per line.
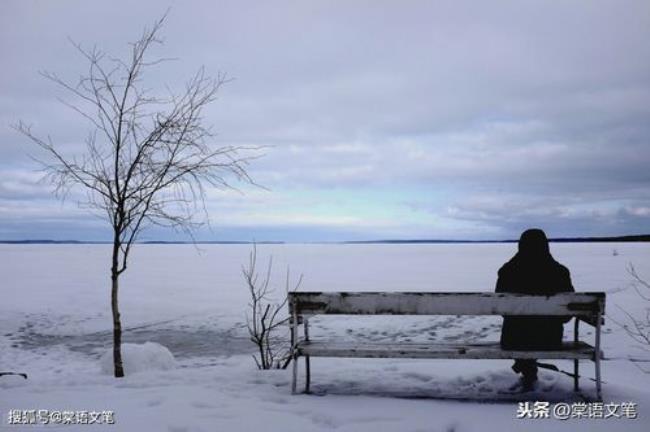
pixel 401 119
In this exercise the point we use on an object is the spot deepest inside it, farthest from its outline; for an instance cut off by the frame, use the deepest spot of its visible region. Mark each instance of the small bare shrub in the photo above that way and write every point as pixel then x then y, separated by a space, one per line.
pixel 638 327
pixel 267 318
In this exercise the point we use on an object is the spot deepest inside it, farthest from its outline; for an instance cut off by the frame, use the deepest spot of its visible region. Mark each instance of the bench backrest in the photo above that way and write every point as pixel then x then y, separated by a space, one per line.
pixel 588 306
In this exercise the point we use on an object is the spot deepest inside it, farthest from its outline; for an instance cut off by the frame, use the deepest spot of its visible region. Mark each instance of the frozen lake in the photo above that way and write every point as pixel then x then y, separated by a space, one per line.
pixel 193 299
pixel 55 322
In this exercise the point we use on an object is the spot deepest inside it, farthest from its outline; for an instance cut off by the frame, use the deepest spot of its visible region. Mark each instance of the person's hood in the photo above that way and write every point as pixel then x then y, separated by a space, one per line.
pixel 533 243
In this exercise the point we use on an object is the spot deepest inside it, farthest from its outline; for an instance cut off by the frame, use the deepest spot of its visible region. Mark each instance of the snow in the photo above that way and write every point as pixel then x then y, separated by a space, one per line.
pixel 9 381
pixel 139 357
pixel 188 304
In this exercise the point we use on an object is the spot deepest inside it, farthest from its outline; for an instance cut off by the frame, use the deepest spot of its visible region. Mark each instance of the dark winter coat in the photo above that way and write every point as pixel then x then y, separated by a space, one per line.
pixel 533 271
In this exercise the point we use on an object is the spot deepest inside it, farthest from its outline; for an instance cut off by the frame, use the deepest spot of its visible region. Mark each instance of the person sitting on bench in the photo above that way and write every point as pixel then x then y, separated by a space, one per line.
pixel 533 270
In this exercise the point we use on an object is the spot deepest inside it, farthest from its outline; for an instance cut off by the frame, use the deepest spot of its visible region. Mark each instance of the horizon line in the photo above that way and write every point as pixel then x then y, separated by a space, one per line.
pixel 594 239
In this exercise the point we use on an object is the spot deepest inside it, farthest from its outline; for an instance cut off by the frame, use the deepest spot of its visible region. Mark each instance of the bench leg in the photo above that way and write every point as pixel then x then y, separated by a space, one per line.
pixel 294 350
pixel 295 374
pixel 576 339
pixel 599 394
pixel 307 374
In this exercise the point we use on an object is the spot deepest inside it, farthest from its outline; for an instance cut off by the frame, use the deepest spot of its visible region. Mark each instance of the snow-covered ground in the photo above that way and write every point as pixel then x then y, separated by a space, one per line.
pixel 55 325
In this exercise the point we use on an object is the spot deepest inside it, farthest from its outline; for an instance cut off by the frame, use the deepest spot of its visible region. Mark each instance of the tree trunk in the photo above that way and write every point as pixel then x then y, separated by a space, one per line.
pixel 117 329
pixel 117 325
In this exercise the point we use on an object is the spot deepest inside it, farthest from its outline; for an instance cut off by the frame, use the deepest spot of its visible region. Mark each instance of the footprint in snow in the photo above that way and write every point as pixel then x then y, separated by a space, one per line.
pixel 201 405
pixel 325 420
pixel 418 376
pixel 154 402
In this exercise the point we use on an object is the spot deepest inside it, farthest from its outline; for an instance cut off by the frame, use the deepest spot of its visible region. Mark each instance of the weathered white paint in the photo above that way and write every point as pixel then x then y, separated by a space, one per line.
pixel 445 303
pixel 488 350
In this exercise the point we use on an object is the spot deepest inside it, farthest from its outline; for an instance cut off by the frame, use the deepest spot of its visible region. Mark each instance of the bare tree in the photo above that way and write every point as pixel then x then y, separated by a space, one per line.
pixel 147 159
pixel 263 321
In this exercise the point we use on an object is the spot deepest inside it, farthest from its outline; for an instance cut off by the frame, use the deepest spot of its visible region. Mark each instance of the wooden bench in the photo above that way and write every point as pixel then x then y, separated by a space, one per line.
pixel 584 306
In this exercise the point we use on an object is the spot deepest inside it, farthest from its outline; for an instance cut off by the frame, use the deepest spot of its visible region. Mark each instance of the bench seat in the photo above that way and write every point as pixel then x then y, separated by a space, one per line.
pixel 588 307
pixel 482 350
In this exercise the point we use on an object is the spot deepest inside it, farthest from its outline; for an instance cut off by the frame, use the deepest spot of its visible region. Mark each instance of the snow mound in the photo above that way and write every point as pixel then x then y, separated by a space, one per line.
pixel 9 381
pixel 139 357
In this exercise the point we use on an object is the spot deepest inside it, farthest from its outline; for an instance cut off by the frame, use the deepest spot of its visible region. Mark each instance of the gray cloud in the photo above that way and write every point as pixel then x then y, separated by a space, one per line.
pixel 516 113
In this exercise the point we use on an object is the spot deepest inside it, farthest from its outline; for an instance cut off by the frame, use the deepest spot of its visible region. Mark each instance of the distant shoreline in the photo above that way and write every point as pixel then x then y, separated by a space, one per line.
pixel 610 239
